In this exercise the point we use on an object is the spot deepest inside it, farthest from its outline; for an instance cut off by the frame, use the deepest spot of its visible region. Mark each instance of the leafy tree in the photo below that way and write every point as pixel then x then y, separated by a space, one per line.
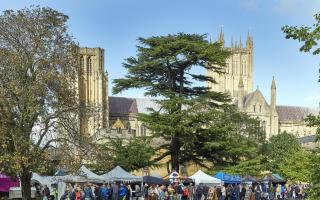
pixel 189 119
pixel 252 167
pixel 309 37
pixel 38 101
pixel 297 166
pixel 131 154
pixel 282 146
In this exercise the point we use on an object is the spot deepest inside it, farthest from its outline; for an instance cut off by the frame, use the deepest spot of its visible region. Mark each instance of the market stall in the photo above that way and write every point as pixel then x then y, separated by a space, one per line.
pixel 201 177
pixel 228 178
pixel 119 174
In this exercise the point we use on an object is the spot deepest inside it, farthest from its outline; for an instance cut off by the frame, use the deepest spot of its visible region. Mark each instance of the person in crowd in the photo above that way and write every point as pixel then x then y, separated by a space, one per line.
pixel 235 192
pixel 96 192
pixel 162 193
pixel 252 193
pixel 78 193
pixel 185 192
pixel 199 192
pixel 179 190
pixel 170 192
pixel 109 187
pixel 145 191
pixel 258 192
pixel 152 193
pixel 229 192
pixel 104 192
pixel 242 192
pixel 122 192
pixel 54 195
pixel 214 194
pixel 219 193
pixel 157 191
pixel 223 192
pixel 46 192
pixel 205 192
pixel 191 191
pixel 115 191
pixel 128 192
pixel 278 191
pixel 87 192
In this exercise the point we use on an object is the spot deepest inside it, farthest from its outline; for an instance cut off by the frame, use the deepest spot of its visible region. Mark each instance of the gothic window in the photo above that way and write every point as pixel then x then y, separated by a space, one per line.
pixel 142 130
pixel 89 65
pixel 128 127
pixel 254 108
pixel 82 63
pixel 119 131
pixel 260 108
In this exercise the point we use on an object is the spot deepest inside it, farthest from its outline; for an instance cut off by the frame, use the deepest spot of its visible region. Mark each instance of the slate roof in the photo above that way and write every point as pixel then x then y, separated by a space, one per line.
pixel 130 105
pixel 294 113
pixel 247 98
pixel 307 139
pixel 122 105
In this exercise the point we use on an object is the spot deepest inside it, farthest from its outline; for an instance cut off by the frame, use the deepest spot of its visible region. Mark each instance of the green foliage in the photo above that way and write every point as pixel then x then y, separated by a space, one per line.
pixel 37 98
pixel 309 36
pixel 297 166
pixel 282 146
pixel 131 154
pixel 252 167
pixel 221 137
pixel 315 176
pixel 194 123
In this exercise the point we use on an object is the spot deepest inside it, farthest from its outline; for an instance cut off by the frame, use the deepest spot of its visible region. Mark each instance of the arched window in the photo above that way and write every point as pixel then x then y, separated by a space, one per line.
pixel 119 131
pixel 128 126
pixel 254 108
pixel 89 65
pixel 260 108
pixel 82 63
pixel 142 130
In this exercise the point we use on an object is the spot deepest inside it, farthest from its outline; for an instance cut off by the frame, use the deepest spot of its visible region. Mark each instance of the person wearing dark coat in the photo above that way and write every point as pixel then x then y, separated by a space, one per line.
pixel 235 192
pixel 199 192
pixel 243 192
pixel 258 192
pixel 205 191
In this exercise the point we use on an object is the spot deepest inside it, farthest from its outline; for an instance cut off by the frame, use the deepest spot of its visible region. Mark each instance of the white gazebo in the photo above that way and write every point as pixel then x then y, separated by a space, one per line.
pixel 201 177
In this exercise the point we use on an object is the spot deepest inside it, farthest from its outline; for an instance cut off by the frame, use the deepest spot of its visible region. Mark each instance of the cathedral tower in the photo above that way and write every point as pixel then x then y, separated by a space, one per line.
pixel 93 90
pixel 238 66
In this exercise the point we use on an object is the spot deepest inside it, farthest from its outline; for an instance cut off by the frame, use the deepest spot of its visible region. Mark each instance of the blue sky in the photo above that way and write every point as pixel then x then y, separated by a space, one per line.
pixel 116 24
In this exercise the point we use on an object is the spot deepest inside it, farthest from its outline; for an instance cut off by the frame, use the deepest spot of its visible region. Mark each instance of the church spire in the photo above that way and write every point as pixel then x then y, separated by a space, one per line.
pixel 221 37
pixel 273 94
pixel 240 42
pixel 249 43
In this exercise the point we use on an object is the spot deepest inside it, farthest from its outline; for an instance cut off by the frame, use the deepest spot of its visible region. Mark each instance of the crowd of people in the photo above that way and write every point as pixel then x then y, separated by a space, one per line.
pixel 179 191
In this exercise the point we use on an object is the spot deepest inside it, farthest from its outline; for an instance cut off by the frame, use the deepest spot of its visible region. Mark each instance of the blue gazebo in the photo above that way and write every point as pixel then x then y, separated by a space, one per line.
pixel 228 178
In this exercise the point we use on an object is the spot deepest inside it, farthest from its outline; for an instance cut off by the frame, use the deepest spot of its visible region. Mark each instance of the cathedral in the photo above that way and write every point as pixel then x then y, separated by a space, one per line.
pixel 117 116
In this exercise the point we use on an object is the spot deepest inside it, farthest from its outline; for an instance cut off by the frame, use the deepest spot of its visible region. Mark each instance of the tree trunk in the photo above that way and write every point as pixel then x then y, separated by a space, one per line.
pixel 25 179
pixel 175 153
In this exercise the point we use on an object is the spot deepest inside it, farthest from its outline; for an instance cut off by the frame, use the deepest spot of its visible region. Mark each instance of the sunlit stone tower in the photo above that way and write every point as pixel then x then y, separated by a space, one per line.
pixel 93 90
pixel 238 66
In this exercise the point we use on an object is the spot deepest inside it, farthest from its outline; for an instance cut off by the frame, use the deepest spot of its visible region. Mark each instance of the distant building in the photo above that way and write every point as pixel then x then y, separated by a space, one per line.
pixel 237 80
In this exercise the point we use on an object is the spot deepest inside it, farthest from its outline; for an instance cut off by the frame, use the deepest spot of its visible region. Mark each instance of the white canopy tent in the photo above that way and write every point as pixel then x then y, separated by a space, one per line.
pixel 119 174
pixel 85 172
pixel 201 177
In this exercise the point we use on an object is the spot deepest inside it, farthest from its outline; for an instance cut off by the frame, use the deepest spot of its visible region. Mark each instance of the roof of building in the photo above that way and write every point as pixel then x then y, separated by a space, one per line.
pixel 247 98
pixel 307 139
pixel 130 105
pixel 294 113
pixel 122 105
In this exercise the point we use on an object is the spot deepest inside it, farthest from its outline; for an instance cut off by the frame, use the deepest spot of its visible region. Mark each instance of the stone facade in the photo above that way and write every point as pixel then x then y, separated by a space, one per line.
pixel 93 90
pixel 237 80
